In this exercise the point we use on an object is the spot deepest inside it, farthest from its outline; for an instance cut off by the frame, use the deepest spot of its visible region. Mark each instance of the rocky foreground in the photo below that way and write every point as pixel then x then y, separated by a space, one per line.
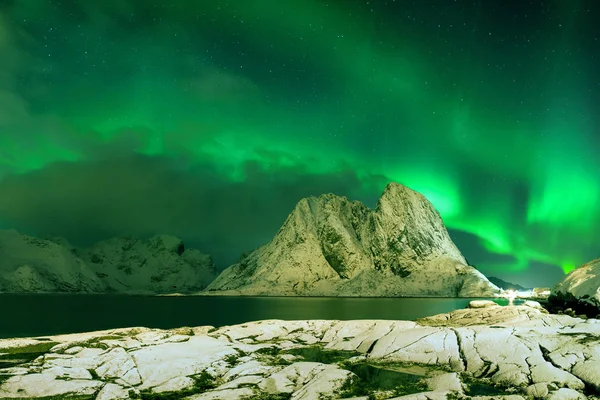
pixel 481 353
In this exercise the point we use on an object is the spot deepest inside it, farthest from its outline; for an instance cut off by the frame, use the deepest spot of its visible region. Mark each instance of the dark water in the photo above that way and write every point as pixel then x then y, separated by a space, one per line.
pixel 49 314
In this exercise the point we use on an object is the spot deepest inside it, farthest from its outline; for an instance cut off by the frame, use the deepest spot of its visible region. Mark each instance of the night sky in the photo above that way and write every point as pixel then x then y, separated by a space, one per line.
pixel 210 119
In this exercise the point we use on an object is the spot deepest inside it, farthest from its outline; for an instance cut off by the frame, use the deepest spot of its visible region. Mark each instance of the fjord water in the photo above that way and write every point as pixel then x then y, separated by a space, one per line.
pixel 50 314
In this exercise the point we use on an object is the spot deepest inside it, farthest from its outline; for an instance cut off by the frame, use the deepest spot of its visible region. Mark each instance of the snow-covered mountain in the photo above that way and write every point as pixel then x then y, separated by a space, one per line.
pixel 120 265
pixel 160 264
pixel 332 246
pixel 580 289
pixel 29 264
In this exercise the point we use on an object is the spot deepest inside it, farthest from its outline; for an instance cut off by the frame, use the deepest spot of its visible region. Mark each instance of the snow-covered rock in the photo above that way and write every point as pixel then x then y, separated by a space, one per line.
pixel 512 352
pixel 580 289
pixel 482 304
pixel 160 264
pixel 333 246
pixel 29 264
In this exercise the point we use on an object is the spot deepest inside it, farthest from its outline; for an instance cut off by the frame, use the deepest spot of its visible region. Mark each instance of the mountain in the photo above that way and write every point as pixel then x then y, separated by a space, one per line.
pixel 501 283
pixel 120 265
pixel 29 264
pixel 160 264
pixel 579 290
pixel 332 246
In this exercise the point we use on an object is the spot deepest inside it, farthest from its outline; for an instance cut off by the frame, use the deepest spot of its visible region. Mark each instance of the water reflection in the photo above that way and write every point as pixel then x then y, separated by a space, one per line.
pixel 33 315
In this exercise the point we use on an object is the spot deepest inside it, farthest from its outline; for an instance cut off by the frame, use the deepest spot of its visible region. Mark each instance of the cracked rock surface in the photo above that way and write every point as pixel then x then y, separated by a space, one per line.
pixel 494 352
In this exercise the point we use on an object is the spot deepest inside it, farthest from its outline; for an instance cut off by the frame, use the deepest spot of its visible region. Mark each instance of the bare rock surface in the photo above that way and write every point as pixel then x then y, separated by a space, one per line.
pixel 157 265
pixel 332 246
pixel 492 352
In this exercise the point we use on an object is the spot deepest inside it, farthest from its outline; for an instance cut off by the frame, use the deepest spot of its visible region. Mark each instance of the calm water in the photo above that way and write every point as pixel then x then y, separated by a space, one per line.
pixel 48 314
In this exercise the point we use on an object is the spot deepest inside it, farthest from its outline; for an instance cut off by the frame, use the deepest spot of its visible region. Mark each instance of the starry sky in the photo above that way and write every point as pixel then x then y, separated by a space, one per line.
pixel 210 119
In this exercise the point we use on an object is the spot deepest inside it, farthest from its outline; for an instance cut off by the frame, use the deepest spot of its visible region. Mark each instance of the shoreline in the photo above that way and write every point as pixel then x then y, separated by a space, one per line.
pixel 440 356
pixel 538 298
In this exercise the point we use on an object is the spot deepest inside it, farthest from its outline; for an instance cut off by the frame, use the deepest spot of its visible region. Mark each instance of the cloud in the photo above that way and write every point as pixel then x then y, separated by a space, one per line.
pixel 27 137
pixel 141 196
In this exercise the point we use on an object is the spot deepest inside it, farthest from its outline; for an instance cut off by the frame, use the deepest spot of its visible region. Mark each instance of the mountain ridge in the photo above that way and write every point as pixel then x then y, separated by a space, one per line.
pixel 157 265
pixel 329 245
pixel 501 283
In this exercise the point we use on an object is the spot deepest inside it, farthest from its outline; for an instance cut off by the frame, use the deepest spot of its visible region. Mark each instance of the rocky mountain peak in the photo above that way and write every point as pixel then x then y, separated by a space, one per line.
pixel 401 202
pixel 408 232
pixel 168 243
pixel 322 205
pixel 331 245
pixel 394 190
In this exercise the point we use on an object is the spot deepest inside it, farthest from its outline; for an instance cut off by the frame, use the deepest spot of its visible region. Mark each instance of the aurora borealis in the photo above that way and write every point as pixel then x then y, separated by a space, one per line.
pixel 210 119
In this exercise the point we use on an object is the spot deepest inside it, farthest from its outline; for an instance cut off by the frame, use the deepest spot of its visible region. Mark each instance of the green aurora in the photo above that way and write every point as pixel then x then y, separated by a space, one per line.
pixel 488 108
